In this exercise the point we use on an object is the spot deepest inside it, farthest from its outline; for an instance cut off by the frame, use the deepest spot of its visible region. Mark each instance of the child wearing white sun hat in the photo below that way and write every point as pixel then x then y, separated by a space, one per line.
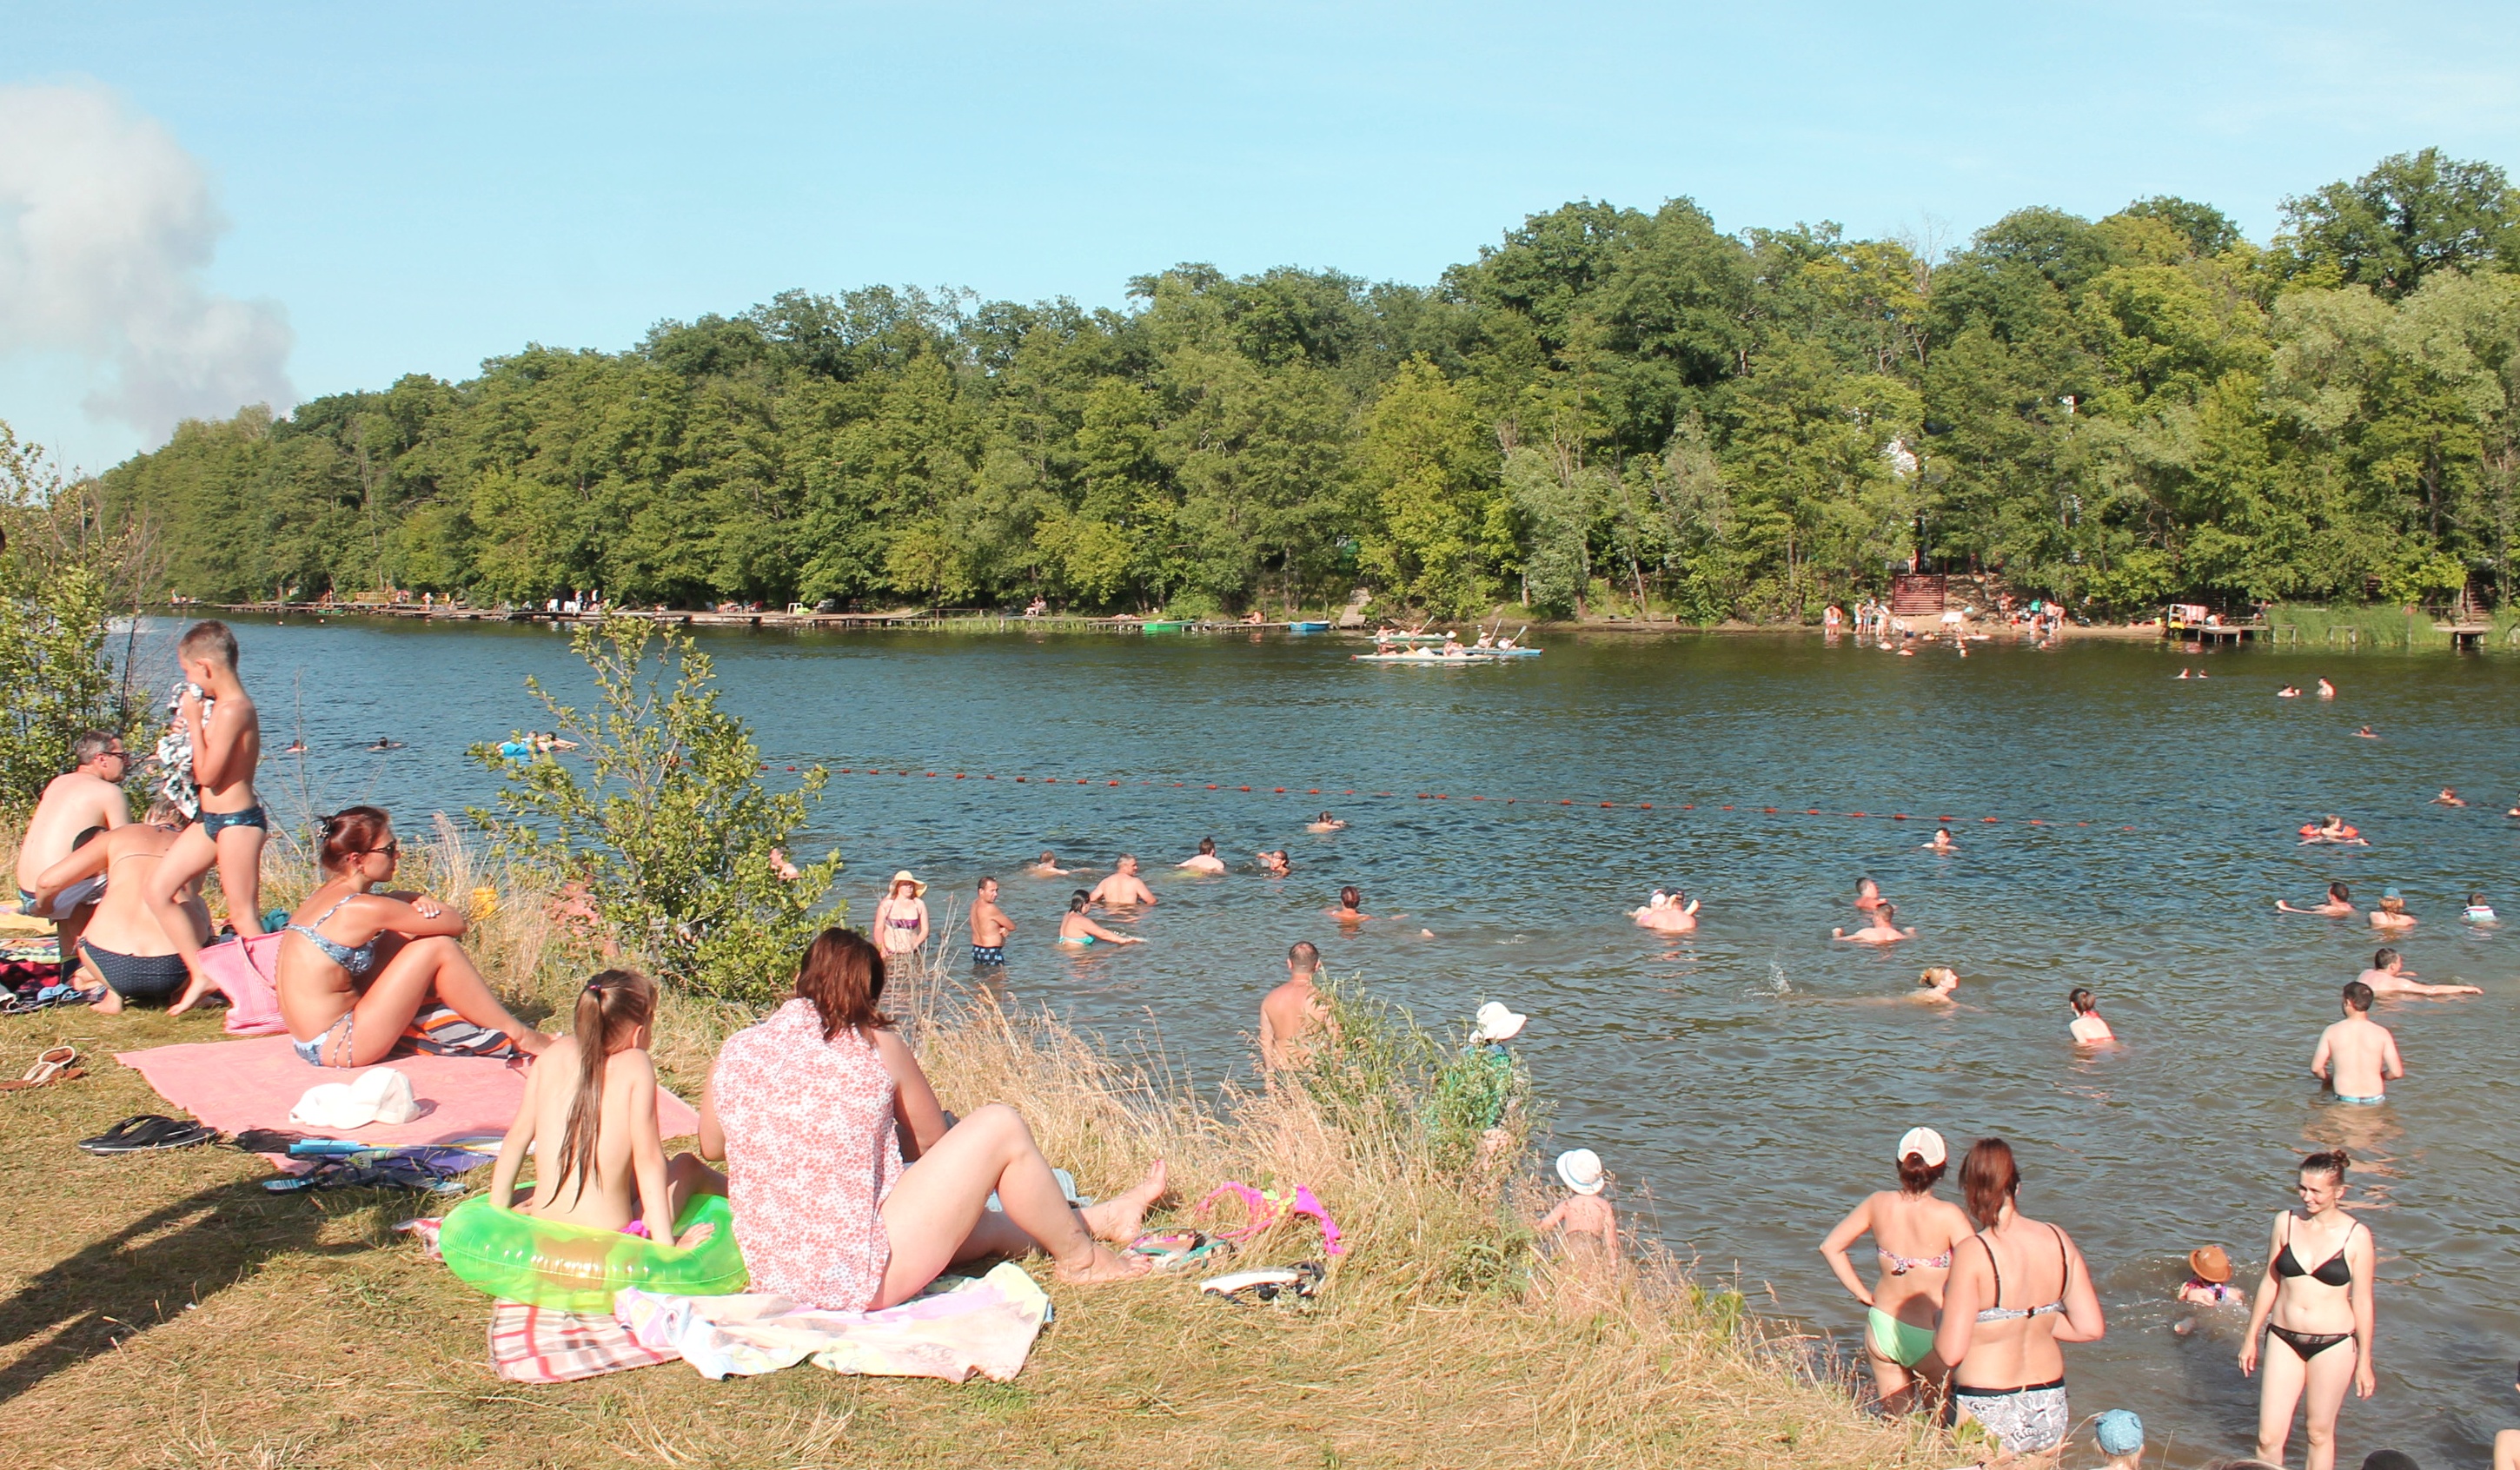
pixel 1585 1222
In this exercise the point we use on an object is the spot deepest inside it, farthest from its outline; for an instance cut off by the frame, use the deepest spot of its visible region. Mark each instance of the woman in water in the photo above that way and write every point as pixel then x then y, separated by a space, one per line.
pixel 357 965
pixel 2339 904
pixel 2318 1318
pixel 2392 912
pixel 1082 933
pixel 901 919
pixel 2008 1372
pixel 1912 1232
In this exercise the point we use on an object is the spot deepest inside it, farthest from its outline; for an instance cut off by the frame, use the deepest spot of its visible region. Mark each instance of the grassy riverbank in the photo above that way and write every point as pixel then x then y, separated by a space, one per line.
pixel 164 1309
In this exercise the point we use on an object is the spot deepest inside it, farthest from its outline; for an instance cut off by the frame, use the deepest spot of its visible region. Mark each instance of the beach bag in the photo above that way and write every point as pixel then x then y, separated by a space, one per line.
pixel 248 973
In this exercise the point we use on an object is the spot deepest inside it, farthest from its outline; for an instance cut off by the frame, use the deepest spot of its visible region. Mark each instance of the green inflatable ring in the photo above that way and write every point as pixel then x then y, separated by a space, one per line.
pixel 571 1267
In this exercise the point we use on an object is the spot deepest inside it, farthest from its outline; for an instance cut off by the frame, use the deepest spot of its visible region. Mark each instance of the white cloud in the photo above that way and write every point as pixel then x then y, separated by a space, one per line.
pixel 106 225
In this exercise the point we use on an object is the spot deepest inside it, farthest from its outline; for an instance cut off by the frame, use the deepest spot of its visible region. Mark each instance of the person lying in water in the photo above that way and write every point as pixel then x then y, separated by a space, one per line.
pixel 589 1119
pixel 1324 823
pixel 2334 830
pixel 1047 866
pixel 1080 932
pixel 1934 986
pixel 2389 976
pixel 2288 691
pixel 2338 903
pixel 1672 913
pixel 2447 798
pixel 1883 929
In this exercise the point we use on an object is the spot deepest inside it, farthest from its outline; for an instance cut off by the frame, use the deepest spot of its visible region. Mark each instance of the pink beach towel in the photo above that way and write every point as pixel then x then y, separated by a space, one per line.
pixel 233 1085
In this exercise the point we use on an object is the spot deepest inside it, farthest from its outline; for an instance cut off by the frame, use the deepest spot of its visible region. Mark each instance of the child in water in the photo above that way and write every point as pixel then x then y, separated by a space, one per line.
pixel 590 1120
pixel 2087 1026
pixel 2478 910
pixel 1585 1220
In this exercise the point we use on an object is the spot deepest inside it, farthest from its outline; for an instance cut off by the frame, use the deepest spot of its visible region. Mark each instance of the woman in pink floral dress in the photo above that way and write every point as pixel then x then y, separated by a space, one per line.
pixel 849 1191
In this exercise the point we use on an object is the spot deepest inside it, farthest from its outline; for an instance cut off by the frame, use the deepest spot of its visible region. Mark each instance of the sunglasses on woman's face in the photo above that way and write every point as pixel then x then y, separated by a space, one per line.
pixel 391 849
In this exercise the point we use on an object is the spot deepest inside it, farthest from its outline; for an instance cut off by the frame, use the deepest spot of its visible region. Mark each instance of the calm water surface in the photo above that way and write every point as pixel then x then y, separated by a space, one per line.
pixel 1745 1084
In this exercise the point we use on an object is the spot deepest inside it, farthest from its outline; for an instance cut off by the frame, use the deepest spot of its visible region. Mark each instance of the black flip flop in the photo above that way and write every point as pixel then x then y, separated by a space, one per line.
pixel 144 1132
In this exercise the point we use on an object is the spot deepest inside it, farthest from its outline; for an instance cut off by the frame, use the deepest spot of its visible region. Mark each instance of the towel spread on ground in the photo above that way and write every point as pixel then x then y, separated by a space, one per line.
pixel 233 1085
pixel 532 1345
pixel 985 1325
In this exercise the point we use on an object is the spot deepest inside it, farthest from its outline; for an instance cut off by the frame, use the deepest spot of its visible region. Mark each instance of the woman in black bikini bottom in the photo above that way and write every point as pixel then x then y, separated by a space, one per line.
pixel 2324 1307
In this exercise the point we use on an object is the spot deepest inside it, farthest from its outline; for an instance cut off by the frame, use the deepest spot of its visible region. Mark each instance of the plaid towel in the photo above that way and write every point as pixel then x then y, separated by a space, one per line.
pixel 530 1344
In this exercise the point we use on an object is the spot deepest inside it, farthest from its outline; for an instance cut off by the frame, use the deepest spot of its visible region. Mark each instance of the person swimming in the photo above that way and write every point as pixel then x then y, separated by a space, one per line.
pixel 1274 863
pixel 1934 985
pixel 1047 866
pixel 2367 733
pixel 1942 842
pixel 1324 823
pixel 2338 903
pixel 2392 912
pixel 1078 931
pixel 2334 830
pixel 1883 929
pixel 2088 1027
pixel 1867 895
pixel 2288 691
pixel 2448 798
pixel 1672 913
pixel 2478 910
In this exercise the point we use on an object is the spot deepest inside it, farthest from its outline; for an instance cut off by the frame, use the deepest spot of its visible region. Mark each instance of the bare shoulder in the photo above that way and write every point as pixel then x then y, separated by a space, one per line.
pixel 895 1051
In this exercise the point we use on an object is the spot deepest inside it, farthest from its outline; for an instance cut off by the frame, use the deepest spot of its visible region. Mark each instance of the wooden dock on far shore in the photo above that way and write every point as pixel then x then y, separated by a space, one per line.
pixel 802 619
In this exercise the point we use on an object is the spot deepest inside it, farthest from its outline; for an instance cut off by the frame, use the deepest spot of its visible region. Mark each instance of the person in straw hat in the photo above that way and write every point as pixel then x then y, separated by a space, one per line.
pixel 901 919
pixel 1587 1226
pixel 2209 1279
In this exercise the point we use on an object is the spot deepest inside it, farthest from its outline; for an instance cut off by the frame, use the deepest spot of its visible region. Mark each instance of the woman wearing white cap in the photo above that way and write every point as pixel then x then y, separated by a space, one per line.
pixel 901 919
pixel 1913 1231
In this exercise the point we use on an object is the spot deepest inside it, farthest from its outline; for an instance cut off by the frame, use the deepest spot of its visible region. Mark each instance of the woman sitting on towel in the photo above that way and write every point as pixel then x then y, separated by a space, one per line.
pixel 849 1191
pixel 357 965
pixel 590 1120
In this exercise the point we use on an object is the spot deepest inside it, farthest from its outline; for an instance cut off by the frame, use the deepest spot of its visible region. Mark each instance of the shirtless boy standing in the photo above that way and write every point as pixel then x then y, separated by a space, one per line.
pixel 2389 976
pixel 1124 889
pixel 1293 1011
pixel 2358 1055
pixel 227 745
pixel 90 795
pixel 990 927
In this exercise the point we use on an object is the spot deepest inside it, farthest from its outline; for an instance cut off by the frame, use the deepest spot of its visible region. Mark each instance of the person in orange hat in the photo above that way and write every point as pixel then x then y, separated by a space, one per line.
pixel 2209 1279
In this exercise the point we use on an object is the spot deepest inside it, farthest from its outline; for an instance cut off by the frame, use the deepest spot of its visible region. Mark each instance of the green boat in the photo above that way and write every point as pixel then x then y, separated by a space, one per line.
pixel 1165 627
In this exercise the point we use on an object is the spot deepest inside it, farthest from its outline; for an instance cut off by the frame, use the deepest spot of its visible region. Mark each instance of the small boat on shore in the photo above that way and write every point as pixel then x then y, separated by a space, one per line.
pixel 1308 627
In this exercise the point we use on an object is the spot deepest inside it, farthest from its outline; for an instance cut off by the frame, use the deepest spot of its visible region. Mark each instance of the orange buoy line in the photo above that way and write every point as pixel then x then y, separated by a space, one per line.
pixel 2044 823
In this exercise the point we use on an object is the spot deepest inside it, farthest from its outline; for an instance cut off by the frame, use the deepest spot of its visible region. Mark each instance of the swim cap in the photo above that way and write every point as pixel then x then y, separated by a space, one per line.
pixel 2391 892
pixel 2120 1432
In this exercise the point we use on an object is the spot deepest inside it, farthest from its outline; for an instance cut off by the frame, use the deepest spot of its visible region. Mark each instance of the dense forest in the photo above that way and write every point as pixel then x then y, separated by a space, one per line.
pixel 1608 409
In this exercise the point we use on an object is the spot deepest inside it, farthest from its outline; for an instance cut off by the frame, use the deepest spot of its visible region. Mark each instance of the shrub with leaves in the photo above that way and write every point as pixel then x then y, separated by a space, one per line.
pixel 669 835
pixel 58 598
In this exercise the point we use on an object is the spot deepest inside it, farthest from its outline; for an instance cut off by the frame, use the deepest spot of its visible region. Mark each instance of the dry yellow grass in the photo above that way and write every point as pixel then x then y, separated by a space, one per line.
pixel 162 1310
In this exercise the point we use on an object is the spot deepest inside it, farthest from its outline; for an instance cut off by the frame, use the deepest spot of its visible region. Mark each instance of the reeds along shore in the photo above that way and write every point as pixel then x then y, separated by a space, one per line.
pixel 1447 1334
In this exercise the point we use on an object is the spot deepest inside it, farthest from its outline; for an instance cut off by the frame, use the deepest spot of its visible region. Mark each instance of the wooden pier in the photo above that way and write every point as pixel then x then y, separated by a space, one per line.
pixel 2188 623
pixel 796 618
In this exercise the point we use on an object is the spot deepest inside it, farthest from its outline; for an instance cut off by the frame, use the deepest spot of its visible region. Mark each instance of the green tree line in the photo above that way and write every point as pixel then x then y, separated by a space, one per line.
pixel 1610 409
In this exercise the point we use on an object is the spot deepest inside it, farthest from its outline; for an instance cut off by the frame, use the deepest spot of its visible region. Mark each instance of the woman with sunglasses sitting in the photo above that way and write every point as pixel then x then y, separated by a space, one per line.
pixel 357 965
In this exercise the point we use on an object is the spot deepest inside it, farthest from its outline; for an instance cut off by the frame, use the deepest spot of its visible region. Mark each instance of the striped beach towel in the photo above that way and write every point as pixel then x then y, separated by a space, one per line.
pixel 532 1345
pixel 438 1030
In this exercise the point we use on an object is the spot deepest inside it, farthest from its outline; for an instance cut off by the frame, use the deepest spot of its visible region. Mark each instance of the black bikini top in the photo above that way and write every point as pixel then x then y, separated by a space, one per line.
pixel 2332 1272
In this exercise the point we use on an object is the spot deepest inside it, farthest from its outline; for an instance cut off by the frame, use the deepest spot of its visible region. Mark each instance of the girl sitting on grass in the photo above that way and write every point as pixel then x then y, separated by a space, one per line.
pixel 590 1118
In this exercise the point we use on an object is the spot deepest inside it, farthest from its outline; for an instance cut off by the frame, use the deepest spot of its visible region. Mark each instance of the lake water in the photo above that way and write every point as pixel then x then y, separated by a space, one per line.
pixel 1743 1077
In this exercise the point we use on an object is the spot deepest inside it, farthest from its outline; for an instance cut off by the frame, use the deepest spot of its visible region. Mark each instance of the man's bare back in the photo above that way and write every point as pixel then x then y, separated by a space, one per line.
pixel 2356 1056
pixel 1124 888
pixel 70 804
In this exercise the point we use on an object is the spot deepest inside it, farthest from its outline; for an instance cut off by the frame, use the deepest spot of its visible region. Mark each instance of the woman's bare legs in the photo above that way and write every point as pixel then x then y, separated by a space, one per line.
pixel 937 1213
pixel 413 971
pixel 2331 1372
pixel 2279 1379
pixel 2287 1380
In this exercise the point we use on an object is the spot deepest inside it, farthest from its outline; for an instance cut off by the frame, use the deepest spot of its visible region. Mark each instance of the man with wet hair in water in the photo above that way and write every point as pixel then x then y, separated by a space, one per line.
pixel 1123 889
pixel 2358 1055
pixel 2389 976
pixel 1206 861
pixel 1294 1010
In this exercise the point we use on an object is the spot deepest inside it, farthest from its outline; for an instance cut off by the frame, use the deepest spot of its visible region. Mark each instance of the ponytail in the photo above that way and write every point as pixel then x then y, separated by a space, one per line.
pixel 614 1005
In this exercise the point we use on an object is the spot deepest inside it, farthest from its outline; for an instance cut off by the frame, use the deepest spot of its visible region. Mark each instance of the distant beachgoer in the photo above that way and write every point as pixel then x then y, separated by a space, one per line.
pixel 1077 930
pixel 2288 691
pixel 1586 1223
pixel 1274 863
pixel 2320 1314
pixel 2358 1055
pixel 2367 733
pixel 1942 842
pixel 2339 904
pixel 1914 1231
pixel 2389 976
pixel 2326 691
pixel 1675 914
pixel 1324 823
pixel 2182 673
pixel 2088 1027
pixel 2007 1370
pixel 1293 1011
pixel 901 919
pixel 357 965
pixel 1123 888
pixel 786 870
pixel 1883 929
pixel 1867 895
pixel 2334 830
pixel 294 748
pixel 1934 985
pixel 1351 908
pixel 1047 866
pixel 2447 798
pixel 1206 861
pixel 2478 910
pixel 2392 912
pixel 990 927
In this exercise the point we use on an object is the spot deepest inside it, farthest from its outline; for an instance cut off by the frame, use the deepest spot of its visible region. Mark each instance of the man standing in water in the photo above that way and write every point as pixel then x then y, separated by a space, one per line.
pixel 2358 1055
pixel 218 719
pixel 1207 861
pixel 990 927
pixel 1293 1011
pixel 1123 889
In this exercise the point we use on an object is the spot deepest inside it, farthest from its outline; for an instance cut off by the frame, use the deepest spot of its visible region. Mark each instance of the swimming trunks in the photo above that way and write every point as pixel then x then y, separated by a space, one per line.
pixel 2361 1102
pixel 215 823
pixel 312 1052
pixel 989 954
pixel 355 960
pixel 1903 1343
pixel 139 977
pixel 2026 1420
pixel 2307 1344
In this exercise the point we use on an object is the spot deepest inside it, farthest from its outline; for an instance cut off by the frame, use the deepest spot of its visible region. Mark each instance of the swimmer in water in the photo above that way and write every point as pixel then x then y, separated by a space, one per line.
pixel 2183 674
pixel 1934 986
pixel 383 743
pixel 1674 912
pixel 2357 1056
pixel 1351 908
pixel 2334 830
pixel 2392 912
pixel 1274 863
pixel 2288 691
pixel 294 748
pixel 1207 861
pixel 1047 866
pixel 2389 976
pixel 2326 691
pixel 1884 928
pixel 2447 798
pixel 1867 895
pixel 1942 842
pixel 2088 1027
pixel 2339 904
pixel 2367 733
pixel 1077 931
pixel 1324 823
pixel 1123 889
pixel 2478 910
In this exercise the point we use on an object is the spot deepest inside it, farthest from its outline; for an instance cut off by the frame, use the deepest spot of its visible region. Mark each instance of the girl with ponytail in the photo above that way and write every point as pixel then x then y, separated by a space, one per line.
pixel 589 1119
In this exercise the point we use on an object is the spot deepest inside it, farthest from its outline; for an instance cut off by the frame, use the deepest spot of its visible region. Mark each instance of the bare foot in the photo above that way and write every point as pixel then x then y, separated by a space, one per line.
pixel 194 989
pixel 694 1235
pixel 108 1001
pixel 1103 1267
pixel 1118 1219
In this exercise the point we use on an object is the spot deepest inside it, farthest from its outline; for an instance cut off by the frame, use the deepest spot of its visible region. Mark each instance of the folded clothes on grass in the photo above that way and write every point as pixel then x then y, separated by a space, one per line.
pixel 435 1168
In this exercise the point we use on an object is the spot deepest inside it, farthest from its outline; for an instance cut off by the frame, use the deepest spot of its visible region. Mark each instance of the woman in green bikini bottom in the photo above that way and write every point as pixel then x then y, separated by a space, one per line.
pixel 1899 1329
pixel 1076 931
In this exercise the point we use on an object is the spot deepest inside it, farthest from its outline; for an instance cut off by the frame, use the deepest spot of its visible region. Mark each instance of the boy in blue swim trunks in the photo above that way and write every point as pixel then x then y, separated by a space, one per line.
pixel 2358 1055
pixel 990 929
pixel 218 719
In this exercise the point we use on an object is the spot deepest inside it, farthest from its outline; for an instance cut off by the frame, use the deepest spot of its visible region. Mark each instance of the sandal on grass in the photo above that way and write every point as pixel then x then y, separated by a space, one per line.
pixel 59 1065
pixel 144 1131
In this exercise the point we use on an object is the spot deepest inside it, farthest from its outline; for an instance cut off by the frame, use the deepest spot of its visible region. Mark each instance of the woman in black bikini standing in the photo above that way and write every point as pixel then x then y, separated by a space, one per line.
pixel 2314 1305
pixel 2018 1288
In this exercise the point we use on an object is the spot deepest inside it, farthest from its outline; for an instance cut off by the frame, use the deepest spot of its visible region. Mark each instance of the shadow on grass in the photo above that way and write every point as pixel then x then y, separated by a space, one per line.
pixel 145 1273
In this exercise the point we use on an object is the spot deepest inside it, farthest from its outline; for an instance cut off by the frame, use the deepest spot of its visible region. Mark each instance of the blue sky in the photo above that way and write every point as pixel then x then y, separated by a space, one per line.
pixel 415 188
